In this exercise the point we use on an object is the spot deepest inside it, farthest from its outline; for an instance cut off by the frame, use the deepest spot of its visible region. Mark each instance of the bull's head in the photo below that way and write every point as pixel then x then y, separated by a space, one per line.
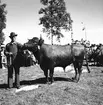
pixel 33 44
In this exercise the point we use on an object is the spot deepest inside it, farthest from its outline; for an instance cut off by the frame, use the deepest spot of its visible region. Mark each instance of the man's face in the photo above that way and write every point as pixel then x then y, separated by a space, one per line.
pixel 13 39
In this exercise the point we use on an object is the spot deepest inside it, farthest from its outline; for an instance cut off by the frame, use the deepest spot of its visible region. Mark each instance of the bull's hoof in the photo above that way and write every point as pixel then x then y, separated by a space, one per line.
pixel 18 87
pixel 52 80
pixel 88 71
pixel 49 83
pixel 74 79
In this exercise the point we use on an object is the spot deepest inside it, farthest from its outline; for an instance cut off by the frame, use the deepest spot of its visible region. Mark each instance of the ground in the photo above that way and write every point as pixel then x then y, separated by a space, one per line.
pixel 88 91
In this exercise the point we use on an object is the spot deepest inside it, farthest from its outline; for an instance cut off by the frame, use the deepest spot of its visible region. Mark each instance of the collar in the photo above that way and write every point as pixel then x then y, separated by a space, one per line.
pixel 12 42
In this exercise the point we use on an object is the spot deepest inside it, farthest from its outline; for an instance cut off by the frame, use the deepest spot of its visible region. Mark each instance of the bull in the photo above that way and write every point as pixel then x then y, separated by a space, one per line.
pixel 51 56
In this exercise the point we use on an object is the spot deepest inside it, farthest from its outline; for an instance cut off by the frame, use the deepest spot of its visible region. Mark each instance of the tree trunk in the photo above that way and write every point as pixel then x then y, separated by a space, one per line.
pixel 51 39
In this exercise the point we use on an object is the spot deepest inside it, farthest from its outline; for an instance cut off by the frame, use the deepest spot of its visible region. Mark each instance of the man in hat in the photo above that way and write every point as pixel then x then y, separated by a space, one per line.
pixel 11 51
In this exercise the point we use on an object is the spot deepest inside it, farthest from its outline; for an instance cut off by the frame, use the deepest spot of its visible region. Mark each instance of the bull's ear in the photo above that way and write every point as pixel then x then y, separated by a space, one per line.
pixel 41 41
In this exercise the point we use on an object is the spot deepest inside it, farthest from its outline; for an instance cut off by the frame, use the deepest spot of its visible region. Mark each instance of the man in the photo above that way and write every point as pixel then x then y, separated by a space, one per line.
pixel 11 52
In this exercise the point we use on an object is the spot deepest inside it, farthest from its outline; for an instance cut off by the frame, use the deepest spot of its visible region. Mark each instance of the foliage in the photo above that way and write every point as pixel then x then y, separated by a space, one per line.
pixel 2 37
pixel 3 13
pixel 55 18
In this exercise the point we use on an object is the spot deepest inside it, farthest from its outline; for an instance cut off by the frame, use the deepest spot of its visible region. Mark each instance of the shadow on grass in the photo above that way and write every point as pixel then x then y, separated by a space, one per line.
pixel 36 81
pixel 43 81
pixel 3 86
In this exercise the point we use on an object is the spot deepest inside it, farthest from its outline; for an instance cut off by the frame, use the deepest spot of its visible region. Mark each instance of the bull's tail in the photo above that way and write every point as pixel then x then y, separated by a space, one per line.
pixel 86 59
pixel 87 66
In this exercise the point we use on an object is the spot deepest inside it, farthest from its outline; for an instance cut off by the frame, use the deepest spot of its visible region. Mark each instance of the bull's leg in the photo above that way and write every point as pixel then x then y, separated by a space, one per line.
pixel 51 75
pixel 87 66
pixel 79 71
pixel 46 75
pixel 76 73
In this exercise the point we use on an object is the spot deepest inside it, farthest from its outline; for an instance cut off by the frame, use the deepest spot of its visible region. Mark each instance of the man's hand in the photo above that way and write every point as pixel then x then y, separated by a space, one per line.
pixel 10 53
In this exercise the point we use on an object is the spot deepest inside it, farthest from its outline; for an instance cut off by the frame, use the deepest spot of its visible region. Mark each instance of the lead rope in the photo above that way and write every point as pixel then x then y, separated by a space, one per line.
pixel 9 61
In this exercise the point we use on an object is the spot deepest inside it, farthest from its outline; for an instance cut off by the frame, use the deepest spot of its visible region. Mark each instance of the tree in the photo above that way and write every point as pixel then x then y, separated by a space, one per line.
pixel 3 13
pixel 55 18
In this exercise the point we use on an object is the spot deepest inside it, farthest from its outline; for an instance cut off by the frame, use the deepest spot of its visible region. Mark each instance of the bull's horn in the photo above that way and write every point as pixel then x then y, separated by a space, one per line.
pixel 40 36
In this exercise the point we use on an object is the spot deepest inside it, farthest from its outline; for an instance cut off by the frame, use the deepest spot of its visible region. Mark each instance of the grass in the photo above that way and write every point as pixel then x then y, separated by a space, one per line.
pixel 88 91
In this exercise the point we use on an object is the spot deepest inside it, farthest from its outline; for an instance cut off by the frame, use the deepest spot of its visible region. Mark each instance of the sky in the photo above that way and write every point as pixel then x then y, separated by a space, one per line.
pixel 23 19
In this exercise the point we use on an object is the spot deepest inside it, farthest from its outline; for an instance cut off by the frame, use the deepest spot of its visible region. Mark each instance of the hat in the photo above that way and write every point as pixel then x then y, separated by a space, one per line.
pixel 12 34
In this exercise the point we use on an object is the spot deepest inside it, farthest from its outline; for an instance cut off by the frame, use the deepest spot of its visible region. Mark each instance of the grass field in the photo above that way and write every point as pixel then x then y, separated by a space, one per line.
pixel 88 91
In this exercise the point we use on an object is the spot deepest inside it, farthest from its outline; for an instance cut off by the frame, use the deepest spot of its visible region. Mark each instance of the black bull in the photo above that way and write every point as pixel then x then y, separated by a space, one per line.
pixel 50 56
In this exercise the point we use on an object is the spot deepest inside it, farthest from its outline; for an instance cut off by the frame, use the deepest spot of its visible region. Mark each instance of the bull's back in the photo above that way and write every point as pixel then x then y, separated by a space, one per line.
pixel 52 51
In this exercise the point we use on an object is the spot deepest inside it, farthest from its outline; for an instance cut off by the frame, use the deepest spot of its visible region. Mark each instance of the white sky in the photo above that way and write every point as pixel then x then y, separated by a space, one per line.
pixel 23 18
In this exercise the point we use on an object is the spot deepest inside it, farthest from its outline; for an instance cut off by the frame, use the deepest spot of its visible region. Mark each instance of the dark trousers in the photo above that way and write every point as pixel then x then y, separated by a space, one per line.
pixel 11 69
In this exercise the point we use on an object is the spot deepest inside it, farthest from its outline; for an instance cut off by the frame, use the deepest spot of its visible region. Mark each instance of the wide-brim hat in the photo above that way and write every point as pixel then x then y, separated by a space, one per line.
pixel 12 34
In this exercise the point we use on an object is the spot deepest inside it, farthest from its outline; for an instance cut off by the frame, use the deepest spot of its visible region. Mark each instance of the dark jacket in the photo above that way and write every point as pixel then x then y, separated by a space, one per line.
pixel 11 51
